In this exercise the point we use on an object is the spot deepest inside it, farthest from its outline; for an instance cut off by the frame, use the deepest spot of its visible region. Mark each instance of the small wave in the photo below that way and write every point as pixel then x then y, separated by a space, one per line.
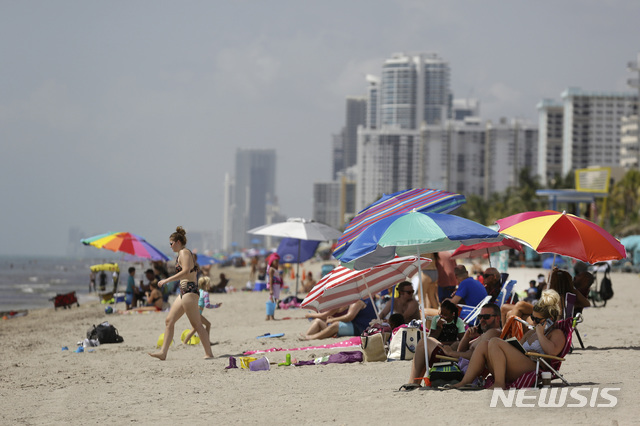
pixel 32 288
pixel 33 279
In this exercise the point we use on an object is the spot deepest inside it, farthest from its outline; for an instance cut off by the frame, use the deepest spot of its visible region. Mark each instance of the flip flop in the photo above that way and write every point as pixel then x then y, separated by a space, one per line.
pixel 408 387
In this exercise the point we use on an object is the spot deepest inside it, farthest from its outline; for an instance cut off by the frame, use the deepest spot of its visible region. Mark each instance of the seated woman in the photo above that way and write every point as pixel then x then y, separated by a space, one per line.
pixel 562 283
pixel 507 363
pixel 352 323
pixel 447 328
pixel 221 287
pixel 154 299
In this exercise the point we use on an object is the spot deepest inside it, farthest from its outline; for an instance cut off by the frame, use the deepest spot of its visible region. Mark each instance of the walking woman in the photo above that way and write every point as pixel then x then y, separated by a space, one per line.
pixel 187 303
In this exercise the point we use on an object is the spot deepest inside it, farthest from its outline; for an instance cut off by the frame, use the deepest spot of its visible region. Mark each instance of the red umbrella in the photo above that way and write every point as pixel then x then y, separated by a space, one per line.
pixel 480 249
pixel 343 286
pixel 564 234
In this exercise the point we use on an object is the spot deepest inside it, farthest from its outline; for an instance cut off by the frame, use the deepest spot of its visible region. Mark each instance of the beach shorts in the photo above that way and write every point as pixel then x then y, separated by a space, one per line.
pixel 189 287
pixel 128 298
pixel 345 329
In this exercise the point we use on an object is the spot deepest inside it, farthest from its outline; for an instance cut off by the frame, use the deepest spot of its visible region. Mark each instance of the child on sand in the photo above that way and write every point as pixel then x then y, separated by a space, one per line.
pixel 203 302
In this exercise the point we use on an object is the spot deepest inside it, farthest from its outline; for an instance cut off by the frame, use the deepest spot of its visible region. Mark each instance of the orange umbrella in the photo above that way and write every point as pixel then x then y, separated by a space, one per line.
pixel 564 234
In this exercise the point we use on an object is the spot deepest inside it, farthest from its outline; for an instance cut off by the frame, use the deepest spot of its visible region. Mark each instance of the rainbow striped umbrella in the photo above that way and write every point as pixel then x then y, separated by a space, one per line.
pixel 550 231
pixel 421 199
pixel 125 242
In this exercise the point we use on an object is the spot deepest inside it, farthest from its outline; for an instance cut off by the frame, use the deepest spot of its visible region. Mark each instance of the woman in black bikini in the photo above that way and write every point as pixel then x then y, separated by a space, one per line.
pixel 186 271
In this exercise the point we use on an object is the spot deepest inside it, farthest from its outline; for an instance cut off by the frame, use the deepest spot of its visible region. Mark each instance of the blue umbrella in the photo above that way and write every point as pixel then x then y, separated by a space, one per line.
pixel 293 250
pixel 206 260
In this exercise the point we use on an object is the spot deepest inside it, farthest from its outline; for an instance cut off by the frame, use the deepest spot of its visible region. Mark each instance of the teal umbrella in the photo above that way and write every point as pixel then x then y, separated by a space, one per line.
pixel 414 233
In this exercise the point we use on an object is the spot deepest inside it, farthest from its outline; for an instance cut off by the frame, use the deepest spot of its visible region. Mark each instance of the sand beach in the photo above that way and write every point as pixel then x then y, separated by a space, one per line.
pixel 121 384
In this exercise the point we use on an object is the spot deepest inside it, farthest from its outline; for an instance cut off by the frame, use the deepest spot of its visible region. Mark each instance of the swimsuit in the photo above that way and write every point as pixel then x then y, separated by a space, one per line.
pixel 188 286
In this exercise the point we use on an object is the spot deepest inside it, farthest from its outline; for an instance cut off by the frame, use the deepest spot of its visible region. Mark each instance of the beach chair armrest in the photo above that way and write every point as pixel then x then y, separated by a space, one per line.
pixel 545 356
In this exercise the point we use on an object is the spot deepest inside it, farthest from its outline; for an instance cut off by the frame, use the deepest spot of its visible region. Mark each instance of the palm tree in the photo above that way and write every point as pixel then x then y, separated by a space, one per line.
pixel 624 203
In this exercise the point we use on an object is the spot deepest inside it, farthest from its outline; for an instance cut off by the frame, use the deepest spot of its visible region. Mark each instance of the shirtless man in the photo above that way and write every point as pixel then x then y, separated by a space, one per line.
pixel 405 304
pixel 489 327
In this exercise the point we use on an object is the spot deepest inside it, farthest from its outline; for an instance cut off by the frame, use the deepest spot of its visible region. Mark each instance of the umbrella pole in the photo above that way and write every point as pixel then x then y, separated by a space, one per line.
pixel 371 298
pixel 424 321
pixel 393 297
pixel 489 257
pixel 298 269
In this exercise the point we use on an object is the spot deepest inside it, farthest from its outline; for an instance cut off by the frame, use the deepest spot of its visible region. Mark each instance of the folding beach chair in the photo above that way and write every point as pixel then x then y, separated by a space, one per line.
pixel 506 293
pixel 543 362
pixel 470 313
pixel 569 304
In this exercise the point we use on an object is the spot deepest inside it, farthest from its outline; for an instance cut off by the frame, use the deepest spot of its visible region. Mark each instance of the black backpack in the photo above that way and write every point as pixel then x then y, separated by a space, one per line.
pixel 105 333
pixel 606 288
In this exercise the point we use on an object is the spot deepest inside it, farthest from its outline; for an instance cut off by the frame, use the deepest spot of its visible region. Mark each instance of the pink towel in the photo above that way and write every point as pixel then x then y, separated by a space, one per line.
pixel 353 341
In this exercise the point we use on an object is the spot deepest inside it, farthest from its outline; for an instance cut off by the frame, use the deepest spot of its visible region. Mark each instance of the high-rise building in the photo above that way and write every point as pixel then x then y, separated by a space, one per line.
pixel 550 126
pixel 630 150
pixel 355 117
pixel 591 132
pixel 629 143
pixel 337 154
pixel 334 202
pixel 387 162
pixel 253 192
pixel 414 89
pixel 470 157
pixel 373 97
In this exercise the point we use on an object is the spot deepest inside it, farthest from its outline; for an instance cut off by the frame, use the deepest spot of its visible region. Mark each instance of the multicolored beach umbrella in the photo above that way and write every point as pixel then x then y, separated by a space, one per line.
pixel 126 242
pixel 550 231
pixel 421 199
pixel 413 233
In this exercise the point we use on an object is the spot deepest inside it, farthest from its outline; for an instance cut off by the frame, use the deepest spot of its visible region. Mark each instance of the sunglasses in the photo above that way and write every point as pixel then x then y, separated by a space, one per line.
pixel 486 316
pixel 536 319
pixel 407 291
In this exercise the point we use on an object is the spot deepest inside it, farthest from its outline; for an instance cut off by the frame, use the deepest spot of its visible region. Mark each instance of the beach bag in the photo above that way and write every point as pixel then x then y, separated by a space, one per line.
pixel 404 343
pixel 442 373
pixel 606 288
pixel 378 328
pixel 105 333
pixel 373 348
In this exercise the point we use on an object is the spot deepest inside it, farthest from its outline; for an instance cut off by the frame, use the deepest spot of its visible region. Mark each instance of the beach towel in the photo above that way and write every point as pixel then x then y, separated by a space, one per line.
pixel 339 358
pixel 353 341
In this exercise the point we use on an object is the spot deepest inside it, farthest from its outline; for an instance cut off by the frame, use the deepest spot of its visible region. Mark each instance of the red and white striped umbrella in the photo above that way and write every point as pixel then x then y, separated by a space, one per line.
pixel 343 286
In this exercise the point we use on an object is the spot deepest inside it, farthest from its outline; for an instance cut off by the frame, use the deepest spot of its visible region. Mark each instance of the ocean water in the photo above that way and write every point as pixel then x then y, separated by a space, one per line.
pixel 30 282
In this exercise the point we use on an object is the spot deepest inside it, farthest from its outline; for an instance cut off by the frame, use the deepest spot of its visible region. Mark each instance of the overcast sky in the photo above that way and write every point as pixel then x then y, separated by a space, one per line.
pixel 126 115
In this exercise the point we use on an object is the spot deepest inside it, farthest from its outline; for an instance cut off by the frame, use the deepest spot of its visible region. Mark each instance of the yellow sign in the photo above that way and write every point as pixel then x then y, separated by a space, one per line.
pixel 594 179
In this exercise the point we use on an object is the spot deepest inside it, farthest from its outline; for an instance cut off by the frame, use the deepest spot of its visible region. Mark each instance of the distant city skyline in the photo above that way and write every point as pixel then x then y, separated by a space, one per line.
pixel 128 117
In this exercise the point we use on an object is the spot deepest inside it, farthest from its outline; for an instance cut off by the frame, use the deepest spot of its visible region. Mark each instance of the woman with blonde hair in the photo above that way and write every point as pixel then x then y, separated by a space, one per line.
pixel 187 303
pixel 507 363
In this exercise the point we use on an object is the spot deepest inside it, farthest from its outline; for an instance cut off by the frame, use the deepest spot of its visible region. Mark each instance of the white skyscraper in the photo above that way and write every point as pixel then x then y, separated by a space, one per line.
pixel 591 132
pixel 471 157
pixel 414 89
pixel 387 162
pixel 550 125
